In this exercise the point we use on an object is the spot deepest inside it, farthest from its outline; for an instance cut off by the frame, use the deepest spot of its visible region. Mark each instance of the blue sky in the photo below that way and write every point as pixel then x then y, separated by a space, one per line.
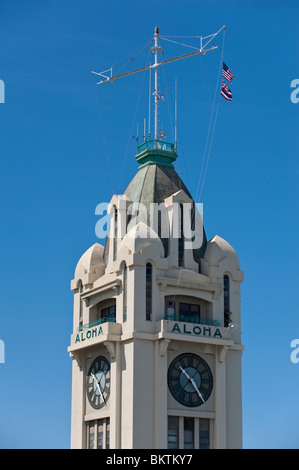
pixel 66 145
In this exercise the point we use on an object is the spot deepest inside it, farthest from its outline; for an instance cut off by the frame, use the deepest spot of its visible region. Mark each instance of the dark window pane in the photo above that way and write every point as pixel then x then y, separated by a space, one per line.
pixel 188 433
pixel 226 295
pixel 181 239
pixel 148 286
pixel 189 313
pixel 204 433
pixel 173 432
pixel 115 236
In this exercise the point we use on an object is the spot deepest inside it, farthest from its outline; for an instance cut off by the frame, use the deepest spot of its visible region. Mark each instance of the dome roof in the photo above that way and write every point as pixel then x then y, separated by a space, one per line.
pixel 139 237
pixel 218 249
pixel 90 260
pixel 152 184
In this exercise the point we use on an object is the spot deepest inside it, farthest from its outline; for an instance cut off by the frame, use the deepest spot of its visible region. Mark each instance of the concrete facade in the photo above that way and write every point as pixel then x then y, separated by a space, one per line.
pixel 140 349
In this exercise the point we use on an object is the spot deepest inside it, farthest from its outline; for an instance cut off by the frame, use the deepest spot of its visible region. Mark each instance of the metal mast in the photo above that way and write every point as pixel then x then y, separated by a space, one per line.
pixel 156 48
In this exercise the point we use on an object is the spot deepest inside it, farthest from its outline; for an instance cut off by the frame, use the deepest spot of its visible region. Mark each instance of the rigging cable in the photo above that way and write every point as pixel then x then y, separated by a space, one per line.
pixel 211 141
pixel 131 131
pixel 216 90
pixel 168 86
pixel 106 152
pixel 180 43
pixel 132 58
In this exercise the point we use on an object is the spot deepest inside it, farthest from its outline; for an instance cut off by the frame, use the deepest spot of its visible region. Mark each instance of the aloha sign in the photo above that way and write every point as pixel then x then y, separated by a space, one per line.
pixel 197 330
pixel 88 334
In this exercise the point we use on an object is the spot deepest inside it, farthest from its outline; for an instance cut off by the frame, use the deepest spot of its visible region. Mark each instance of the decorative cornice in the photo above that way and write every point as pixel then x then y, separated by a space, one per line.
pixel 112 285
pixel 163 282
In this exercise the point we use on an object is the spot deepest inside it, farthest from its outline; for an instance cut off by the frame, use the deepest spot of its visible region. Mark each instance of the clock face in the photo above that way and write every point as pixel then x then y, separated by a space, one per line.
pixel 98 382
pixel 190 380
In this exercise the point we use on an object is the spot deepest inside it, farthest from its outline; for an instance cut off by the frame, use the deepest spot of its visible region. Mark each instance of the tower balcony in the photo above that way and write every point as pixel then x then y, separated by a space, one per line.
pixel 156 152
pixel 186 319
pixel 101 321
pixel 204 330
pixel 99 331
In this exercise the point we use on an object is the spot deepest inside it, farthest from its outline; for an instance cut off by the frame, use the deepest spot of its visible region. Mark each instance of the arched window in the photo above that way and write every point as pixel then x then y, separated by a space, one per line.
pixel 149 293
pixel 80 291
pixel 125 289
pixel 115 235
pixel 227 313
pixel 181 238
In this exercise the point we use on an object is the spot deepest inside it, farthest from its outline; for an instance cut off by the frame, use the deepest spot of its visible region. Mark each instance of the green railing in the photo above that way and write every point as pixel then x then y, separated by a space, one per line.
pixel 156 144
pixel 86 326
pixel 186 319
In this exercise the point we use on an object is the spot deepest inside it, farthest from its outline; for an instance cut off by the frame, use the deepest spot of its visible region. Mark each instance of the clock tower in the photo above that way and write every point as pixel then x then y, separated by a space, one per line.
pixel 156 342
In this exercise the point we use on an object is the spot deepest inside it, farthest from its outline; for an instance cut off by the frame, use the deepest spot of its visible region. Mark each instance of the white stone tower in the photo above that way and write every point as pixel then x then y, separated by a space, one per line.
pixel 156 342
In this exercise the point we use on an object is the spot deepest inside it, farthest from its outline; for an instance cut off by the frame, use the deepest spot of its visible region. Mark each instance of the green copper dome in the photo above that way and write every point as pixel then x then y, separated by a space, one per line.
pixel 155 181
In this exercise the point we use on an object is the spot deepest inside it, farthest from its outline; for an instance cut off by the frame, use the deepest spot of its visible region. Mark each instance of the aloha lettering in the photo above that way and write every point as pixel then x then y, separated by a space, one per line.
pixel 189 329
pixel 92 333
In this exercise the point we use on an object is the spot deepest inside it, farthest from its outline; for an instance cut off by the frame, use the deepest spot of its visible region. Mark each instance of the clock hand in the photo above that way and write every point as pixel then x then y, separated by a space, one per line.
pixel 99 387
pixel 198 392
pixel 97 382
pixel 185 373
pixel 101 391
pixel 190 379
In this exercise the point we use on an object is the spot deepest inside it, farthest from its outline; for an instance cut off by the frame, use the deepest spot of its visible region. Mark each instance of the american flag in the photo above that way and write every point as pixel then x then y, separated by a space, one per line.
pixel 225 92
pixel 227 74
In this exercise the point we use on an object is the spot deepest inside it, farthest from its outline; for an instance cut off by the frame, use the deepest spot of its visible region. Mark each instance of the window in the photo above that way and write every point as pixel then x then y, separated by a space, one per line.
pixel 91 436
pixel 80 304
pixel 226 291
pixel 149 287
pixel 125 278
pixel 189 313
pixel 109 313
pixel 204 433
pixel 188 433
pixel 100 439
pixel 181 238
pixel 99 434
pixel 108 434
pixel 182 311
pixel 115 235
pixel 170 309
pixel 173 432
pixel 226 294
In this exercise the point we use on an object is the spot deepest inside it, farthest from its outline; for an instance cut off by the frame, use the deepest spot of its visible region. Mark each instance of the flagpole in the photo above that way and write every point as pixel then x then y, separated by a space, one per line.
pixel 149 105
pixel 156 48
pixel 175 116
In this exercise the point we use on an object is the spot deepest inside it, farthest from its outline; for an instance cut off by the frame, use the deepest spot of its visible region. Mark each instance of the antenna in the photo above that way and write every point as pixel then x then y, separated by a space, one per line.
pixel 149 104
pixel 156 48
pixel 176 116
